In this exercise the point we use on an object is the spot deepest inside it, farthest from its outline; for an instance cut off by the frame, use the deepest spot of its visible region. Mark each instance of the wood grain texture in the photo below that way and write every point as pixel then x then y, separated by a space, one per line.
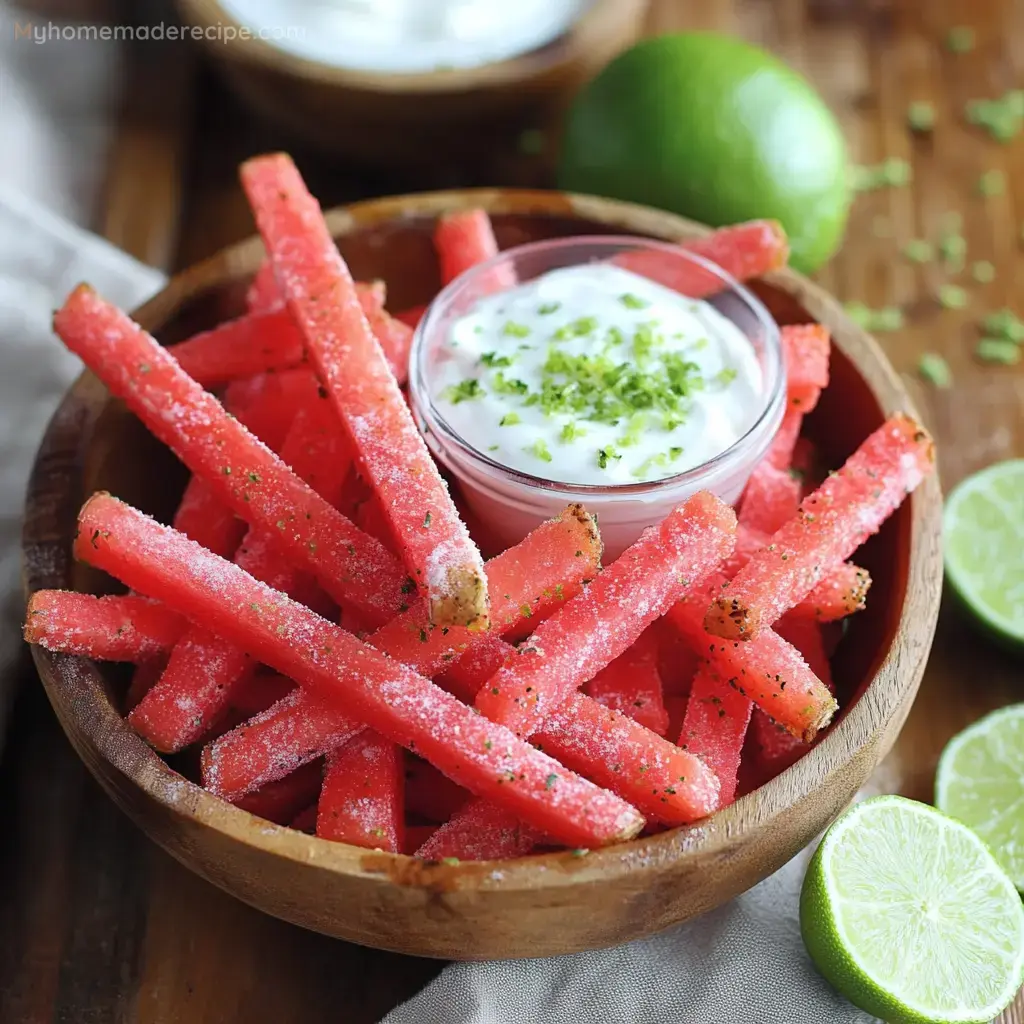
pixel 870 58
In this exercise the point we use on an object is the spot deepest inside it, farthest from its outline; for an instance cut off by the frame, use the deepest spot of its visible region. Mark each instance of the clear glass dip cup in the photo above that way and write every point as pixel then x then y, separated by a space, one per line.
pixel 512 502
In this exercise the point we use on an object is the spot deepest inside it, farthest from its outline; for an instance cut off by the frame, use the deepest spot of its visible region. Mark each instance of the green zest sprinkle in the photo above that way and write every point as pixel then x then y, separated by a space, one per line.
pixel 571 431
pixel 890 173
pixel 550 781
pixel 998 350
pixel 492 448
pixel 655 461
pixel 983 271
pixel 510 419
pixel 580 851
pixel 452 861
pixel 674 453
pixel 464 391
pixel 921 116
pixel 992 183
pixel 548 308
pixel 917 250
pixel 960 39
pixel 889 318
pixel 1004 323
pixel 725 376
pixel 606 455
pixel 631 301
pixel 426 521
pixel 540 449
pixel 1002 117
pixel 505 386
pixel 953 247
pixel 514 330
pixel 577 329
pixel 493 360
pixel 952 296
pixel 935 370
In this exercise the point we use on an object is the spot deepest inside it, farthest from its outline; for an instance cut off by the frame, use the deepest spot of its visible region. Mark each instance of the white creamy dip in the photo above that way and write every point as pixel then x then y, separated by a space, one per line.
pixel 406 36
pixel 594 375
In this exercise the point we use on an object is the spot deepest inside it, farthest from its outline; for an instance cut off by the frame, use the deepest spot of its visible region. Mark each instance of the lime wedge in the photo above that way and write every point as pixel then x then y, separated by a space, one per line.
pixel 981 783
pixel 907 914
pixel 984 527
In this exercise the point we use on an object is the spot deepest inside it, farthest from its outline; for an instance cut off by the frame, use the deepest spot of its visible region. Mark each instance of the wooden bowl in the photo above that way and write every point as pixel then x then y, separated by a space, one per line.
pixel 430 117
pixel 535 906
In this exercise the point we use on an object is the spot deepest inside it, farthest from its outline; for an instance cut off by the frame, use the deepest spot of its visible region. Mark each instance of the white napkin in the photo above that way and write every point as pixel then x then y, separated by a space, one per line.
pixel 42 257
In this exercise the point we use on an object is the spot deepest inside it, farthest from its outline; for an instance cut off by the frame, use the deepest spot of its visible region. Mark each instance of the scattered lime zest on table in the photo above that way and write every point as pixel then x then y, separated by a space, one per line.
pixel 991 183
pixel 1002 117
pixel 1005 324
pixel 983 271
pixel 918 250
pixel 960 39
pixel 984 545
pixel 980 781
pixel 890 173
pixel 887 318
pixel 933 368
pixel 909 916
pixel 921 116
pixel 952 296
pixel 998 350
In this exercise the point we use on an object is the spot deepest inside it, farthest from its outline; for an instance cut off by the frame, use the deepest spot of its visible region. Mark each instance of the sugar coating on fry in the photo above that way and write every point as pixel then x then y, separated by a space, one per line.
pixel 768 670
pixel 355 569
pixel 480 831
pixel 715 727
pixel 832 523
pixel 806 348
pixel 743 251
pixel 319 290
pixel 408 709
pixel 603 620
pixel 361 798
pixel 116 628
pixel 538 574
pixel 664 782
pixel 771 498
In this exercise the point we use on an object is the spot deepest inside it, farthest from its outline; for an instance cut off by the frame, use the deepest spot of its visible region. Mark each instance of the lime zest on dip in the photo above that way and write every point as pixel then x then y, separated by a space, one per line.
pixel 622 380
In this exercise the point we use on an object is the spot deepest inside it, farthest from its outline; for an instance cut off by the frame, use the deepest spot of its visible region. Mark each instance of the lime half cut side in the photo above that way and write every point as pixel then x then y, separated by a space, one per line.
pixel 984 547
pixel 906 912
pixel 981 783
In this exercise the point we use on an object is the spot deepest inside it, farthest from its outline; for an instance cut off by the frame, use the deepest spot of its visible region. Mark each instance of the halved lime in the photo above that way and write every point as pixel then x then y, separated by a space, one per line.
pixel 981 783
pixel 984 546
pixel 906 912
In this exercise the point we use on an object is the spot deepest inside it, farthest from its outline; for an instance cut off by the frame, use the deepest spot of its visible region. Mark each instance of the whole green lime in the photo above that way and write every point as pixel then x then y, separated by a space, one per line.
pixel 715 129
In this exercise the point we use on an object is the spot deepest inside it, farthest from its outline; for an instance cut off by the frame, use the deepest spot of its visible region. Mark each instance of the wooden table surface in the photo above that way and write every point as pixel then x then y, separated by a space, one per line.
pixel 96 924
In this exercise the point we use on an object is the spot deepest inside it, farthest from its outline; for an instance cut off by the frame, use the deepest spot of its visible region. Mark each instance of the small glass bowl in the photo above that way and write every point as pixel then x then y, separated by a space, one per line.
pixel 511 502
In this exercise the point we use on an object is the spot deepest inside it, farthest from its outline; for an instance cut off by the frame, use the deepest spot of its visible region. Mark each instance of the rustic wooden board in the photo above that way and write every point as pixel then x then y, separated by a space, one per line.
pixel 99 925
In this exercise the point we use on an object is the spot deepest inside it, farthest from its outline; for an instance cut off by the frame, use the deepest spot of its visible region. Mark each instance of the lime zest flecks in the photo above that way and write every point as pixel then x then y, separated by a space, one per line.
pixel 891 173
pixel 952 296
pixel 510 419
pixel 933 368
pixel 631 301
pixel 879 321
pixel 991 183
pixel 921 116
pixel 578 328
pixel 983 271
pixel 960 39
pixel 917 250
pixel 495 360
pixel 539 449
pixel 606 455
pixel 998 350
pixel 547 308
pixel 1005 324
pixel 1002 117
pixel 571 431
pixel 514 330
pixel 464 391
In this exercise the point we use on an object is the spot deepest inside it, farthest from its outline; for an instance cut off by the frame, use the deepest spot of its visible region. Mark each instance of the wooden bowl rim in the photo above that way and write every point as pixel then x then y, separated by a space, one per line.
pixel 595 22
pixel 881 699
